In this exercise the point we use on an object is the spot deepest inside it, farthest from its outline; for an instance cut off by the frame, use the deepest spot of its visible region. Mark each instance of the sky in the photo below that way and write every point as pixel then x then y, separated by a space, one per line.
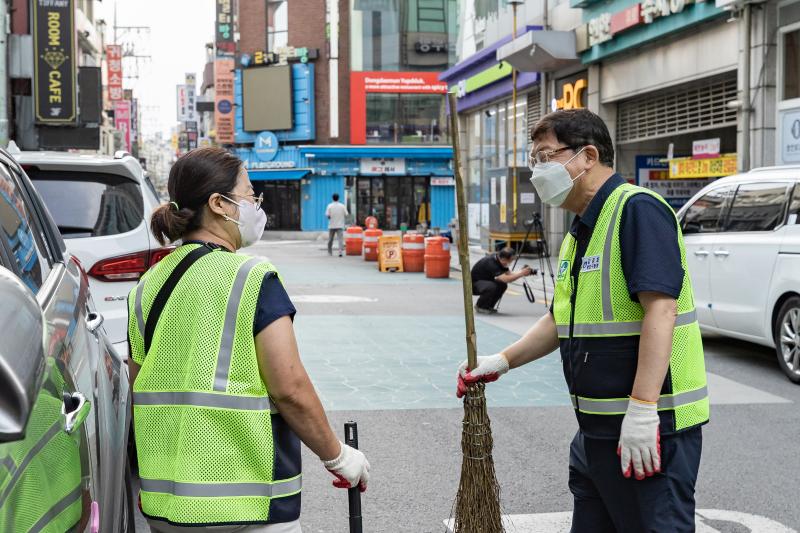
pixel 179 30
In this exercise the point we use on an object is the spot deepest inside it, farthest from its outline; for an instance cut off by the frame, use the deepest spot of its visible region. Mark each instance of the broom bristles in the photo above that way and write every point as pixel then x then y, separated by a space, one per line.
pixel 477 505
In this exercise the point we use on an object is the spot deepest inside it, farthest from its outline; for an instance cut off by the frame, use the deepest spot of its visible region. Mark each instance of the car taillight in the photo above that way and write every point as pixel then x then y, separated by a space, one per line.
pixel 128 267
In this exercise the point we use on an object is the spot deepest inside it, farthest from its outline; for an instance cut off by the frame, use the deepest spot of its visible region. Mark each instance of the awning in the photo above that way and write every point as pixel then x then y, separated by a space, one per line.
pixel 260 174
pixel 540 51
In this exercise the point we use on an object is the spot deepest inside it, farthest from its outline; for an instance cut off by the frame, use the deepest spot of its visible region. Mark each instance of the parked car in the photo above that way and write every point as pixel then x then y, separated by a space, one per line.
pixel 102 206
pixel 64 394
pixel 742 237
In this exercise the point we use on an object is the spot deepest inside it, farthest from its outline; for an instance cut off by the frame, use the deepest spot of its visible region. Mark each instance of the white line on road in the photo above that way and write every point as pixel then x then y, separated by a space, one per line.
pixel 718 518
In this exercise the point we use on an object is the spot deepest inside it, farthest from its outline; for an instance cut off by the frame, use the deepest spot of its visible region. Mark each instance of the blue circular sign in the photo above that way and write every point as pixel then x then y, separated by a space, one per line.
pixel 224 106
pixel 266 146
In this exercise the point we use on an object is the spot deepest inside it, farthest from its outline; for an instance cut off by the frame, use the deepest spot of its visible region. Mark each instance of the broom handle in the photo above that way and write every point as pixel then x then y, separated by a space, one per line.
pixel 463 239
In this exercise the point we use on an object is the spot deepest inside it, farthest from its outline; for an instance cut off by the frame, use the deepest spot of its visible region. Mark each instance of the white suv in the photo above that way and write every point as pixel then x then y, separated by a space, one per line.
pixel 742 237
pixel 102 206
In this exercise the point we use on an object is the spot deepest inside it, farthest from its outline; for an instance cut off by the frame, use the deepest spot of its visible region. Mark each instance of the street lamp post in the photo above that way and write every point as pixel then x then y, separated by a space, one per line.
pixel 514 4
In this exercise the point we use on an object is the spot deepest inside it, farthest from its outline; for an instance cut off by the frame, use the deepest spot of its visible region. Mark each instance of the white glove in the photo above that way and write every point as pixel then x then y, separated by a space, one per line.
pixel 490 368
pixel 639 440
pixel 351 468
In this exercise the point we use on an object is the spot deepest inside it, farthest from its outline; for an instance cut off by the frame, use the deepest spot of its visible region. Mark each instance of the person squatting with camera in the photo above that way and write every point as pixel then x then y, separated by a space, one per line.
pixel 490 278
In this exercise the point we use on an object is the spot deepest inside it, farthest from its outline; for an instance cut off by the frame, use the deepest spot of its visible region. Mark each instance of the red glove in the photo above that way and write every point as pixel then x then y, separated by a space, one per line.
pixel 489 369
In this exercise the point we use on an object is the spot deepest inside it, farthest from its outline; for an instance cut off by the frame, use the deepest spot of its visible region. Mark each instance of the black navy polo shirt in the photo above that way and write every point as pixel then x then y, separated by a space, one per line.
pixel 651 261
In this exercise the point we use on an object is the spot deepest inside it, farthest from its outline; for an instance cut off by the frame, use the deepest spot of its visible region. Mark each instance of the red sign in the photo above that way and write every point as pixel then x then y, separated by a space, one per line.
pixel 114 70
pixel 625 19
pixel 362 83
pixel 122 120
pixel 223 100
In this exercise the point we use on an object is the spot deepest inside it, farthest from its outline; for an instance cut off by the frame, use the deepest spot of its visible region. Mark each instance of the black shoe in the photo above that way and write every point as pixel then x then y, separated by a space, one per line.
pixel 482 311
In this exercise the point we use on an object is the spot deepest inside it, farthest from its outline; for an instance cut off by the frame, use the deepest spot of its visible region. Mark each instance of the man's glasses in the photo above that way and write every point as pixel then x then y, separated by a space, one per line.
pixel 543 156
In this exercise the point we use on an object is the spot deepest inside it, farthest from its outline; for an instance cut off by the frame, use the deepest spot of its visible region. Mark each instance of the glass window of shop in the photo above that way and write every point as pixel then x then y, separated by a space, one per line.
pixel 403 35
pixel 791 65
pixel 490 142
pixel 277 24
pixel 406 119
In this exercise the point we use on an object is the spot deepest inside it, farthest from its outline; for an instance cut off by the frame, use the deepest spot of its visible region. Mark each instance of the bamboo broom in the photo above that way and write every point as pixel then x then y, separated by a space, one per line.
pixel 477 505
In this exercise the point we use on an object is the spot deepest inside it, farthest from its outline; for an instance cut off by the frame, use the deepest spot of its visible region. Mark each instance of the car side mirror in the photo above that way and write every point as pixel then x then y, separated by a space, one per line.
pixel 22 358
pixel 691 227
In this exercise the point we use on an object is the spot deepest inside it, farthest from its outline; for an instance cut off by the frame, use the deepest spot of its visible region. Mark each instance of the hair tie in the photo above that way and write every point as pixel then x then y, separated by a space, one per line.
pixel 176 206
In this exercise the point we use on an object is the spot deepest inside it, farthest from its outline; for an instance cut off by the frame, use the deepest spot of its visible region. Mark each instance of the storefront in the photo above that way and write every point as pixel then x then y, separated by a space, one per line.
pixel 674 120
pixel 402 186
pixel 495 165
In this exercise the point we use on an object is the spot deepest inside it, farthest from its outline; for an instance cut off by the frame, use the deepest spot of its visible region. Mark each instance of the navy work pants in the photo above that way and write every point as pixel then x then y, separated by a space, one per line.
pixel 607 502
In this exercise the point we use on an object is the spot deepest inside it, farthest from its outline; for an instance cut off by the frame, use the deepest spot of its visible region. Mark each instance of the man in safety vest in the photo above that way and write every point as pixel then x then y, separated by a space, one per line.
pixel 623 317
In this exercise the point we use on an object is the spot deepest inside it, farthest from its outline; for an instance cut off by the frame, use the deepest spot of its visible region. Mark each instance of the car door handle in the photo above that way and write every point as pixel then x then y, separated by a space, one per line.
pixel 94 321
pixel 701 253
pixel 723 253
pixel 74 411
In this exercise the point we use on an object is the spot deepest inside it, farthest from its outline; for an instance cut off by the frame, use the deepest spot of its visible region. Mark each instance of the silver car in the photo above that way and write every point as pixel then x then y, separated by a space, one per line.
pixel 64 395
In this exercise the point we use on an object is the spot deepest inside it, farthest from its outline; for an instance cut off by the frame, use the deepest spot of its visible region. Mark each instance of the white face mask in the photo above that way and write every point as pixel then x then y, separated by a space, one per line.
pixel 552 180
pixel 251 221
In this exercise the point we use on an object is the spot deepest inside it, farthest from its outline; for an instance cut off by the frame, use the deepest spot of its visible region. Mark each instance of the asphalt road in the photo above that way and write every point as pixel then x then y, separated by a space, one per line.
pixel 382 350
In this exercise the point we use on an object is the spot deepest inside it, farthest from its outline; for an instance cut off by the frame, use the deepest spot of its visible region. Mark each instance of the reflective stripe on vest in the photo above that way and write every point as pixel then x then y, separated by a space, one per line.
pixel 206 399
pixel 15 474
pixel 137 305
pixel 620 328
pixel 619 406
pixel 277 489
pixel 57 509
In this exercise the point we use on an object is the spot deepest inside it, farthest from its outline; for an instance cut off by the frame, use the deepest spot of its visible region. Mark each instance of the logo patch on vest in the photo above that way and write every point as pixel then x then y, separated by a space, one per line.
pixel 563 268
pixel 590 264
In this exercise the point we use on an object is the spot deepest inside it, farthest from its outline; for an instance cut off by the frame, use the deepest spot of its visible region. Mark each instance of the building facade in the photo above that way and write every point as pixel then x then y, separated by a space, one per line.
pixel 345 100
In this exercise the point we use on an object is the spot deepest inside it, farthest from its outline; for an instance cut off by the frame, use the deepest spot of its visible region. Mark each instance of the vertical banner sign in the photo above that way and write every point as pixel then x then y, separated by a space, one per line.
pixel 224 28
pixel 180 102
pixel 134 122
pixel 223 104
pixel 191 83
pixel 122 121
pixel 114 70
pixel 54 77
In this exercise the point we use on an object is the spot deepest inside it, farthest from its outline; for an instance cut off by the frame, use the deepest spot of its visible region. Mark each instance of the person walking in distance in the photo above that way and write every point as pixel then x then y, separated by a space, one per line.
pixel 336 213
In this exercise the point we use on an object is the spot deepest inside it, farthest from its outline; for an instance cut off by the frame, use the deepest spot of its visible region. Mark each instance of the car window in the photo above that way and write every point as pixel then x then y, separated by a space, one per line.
pixel 757 207
pixel 18 231
pixel 704 215
pixel 90 204
pixel 794 207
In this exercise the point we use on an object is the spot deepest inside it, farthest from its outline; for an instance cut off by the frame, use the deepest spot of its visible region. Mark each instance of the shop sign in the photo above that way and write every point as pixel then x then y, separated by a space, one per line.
pixel 223 100
pixel 652 172
pixel 224 28
pixel 54 77
pixel 180 102
pixel 790 137
pixel 191 96
pixel 114 72
pixel 122 121
pixel 281 56
pixel 266 146
pixel 385 165
pixel 443 182
pixel 390 82
pixel 702 168
pixel 573 93
pixel 430 47
pixel 706 148
pixel 270 165
pixel 600 29
pixel 605 26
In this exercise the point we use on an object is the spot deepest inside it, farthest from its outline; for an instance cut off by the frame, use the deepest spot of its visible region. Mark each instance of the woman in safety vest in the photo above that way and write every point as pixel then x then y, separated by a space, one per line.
pixel 221 399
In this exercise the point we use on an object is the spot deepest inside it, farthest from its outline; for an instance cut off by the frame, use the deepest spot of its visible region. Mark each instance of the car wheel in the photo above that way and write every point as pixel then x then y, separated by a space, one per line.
pixel 787 338
pixel 128 521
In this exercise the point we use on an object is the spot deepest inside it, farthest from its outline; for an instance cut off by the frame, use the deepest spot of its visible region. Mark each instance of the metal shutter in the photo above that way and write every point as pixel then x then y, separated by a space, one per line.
pixel 534 107
pixel 695 106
